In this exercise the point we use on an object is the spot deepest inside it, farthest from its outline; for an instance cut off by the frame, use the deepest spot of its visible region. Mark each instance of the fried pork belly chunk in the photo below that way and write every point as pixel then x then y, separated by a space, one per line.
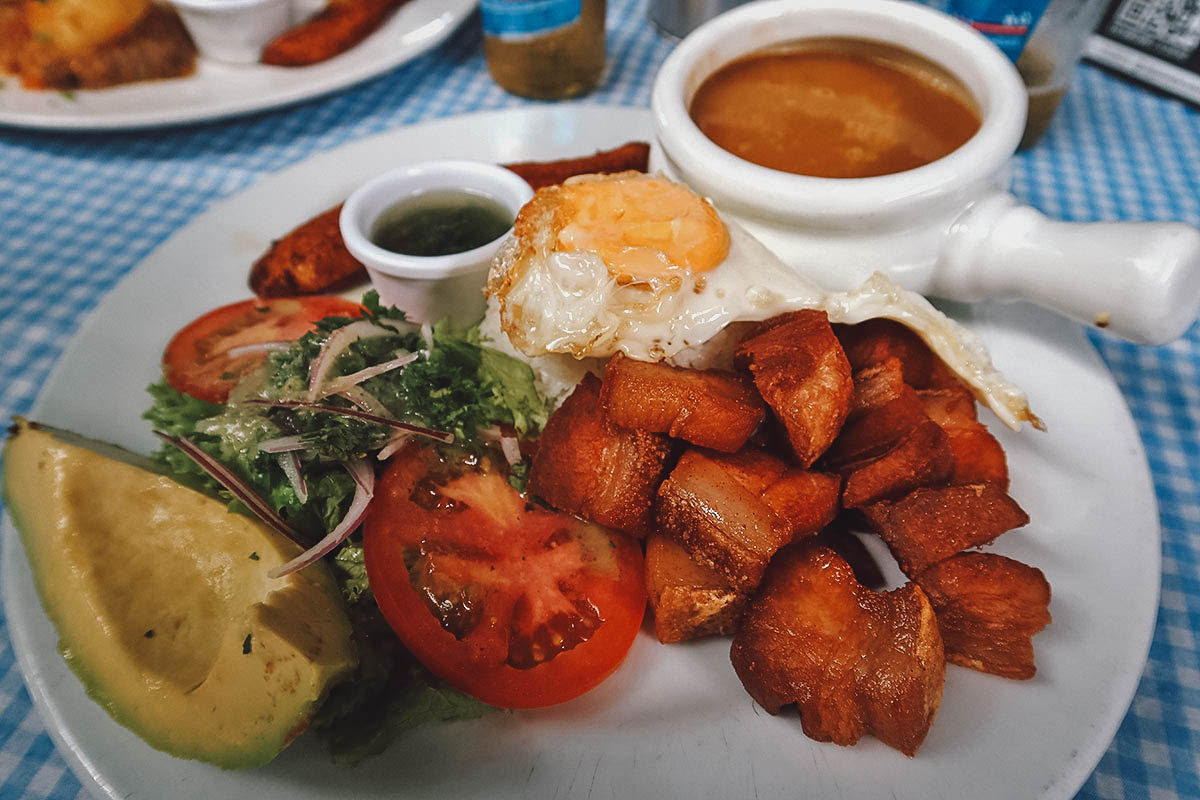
pixel 883 410
pixel 689 599
pixel 803 375
pixel 709 408
pixel 873 342
pixel 806 500
pixel 839 538
pixel 977 454
pixel 588 466
pixel 931 524
pixel 988 608
pixel 889 445
pixel 853 661
pixel 753 469
pixel 722 522
pixel 732 512
pixel 922 457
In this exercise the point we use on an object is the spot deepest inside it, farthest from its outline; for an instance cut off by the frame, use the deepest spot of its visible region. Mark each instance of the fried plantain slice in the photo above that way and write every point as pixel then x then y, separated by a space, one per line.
pixel 988 608
pixel 313 259
pixel 310 259
pixel 331 31
pixel 853 661
pixel 629 156
pixel 588 466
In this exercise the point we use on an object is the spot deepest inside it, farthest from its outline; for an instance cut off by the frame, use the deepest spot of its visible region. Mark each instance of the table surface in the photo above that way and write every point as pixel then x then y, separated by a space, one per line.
pixel 1115 151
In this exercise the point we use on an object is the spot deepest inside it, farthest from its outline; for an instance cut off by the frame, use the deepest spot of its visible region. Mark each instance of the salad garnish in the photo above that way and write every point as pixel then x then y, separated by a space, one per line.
pixel 233 483
pixel 298 443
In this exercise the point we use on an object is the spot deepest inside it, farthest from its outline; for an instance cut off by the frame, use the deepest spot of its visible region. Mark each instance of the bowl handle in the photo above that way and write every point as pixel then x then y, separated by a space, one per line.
pixel 1138 280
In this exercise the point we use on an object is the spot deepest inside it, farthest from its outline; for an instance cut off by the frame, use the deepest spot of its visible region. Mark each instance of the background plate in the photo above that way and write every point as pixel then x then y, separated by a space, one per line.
pixel 674 720
pixel 220 90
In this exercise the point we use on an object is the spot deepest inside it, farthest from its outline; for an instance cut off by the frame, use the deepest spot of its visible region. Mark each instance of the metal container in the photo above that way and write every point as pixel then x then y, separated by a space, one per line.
pixel 679 17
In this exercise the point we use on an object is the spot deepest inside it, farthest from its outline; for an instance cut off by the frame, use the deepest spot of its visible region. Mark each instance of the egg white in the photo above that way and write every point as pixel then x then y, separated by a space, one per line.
pixel 567 303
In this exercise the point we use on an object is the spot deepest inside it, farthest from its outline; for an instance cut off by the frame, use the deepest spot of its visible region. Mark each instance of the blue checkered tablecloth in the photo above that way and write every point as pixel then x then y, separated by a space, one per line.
pixel 1115 151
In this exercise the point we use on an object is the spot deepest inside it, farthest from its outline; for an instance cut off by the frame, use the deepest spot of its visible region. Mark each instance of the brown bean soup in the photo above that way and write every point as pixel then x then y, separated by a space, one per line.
pixel 835 108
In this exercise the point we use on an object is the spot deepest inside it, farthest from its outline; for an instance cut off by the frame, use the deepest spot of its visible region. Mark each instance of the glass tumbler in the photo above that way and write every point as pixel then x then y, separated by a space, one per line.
pixel 1050 56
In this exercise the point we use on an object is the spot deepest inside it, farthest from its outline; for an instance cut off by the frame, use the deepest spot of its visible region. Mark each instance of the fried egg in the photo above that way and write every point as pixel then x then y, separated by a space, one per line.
pixel 642 265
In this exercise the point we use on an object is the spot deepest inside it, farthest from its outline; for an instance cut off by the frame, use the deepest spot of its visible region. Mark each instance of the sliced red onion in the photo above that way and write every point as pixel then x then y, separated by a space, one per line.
pixel 335 345
pixel 427 335
pixel 258 347
pixel 290 464
pixel 283 444
pixel 365 401
pixel 364 490
pixel 510 446
pixel 362 473
pixel 441 436
pixel 397 325
pixel 392 445
pixel 340 384
pixel 511 449
pixel 231 481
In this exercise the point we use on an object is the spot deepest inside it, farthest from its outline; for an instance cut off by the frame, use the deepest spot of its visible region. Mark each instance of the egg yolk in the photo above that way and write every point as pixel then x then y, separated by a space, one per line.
pixel 642 227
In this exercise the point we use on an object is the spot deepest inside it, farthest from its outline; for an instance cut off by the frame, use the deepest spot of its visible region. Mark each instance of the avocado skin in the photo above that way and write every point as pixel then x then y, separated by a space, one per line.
pixel 162 606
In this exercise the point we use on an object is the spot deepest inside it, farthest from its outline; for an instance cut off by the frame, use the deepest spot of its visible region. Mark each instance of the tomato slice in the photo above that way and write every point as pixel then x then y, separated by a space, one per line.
pixel 515 604
pixel 197 360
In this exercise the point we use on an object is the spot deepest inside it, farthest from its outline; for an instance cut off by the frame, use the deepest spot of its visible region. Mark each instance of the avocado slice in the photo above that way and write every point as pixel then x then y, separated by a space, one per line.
pixel 163 607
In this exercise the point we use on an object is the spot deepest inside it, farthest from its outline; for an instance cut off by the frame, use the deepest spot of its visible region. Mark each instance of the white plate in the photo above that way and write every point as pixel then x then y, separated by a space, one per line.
pixel 674 720
pixel 218 90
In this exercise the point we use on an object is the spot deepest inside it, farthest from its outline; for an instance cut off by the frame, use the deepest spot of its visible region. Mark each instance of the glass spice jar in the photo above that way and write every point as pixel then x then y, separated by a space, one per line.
pixel 544 49
pixel 1045 38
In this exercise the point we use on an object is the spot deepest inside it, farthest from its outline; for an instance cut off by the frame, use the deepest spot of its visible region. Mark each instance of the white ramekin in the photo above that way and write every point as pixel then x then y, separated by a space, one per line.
pixel 947 228
pixel 774 203
pixel 429 288
pixel 235 30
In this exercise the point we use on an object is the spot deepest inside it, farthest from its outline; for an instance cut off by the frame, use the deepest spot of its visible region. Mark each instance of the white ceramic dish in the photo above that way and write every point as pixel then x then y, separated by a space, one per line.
pixel 219 90
pixel 674 721
pixel 235 30
pixel 429 287
pixel 948 228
